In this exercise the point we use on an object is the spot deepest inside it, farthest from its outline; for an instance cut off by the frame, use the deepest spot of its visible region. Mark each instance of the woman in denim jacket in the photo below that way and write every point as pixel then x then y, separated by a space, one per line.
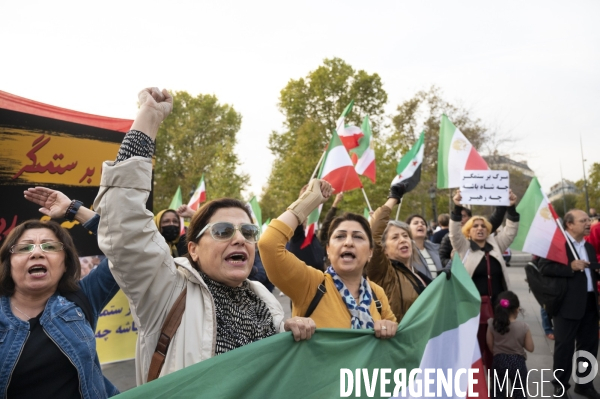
pixel 47 346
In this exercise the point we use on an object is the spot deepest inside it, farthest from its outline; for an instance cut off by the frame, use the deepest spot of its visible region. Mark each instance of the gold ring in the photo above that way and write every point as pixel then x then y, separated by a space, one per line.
pixel 384 328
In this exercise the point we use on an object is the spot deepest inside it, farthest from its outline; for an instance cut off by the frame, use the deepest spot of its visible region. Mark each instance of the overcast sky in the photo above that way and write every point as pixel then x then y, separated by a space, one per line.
pixel 528 68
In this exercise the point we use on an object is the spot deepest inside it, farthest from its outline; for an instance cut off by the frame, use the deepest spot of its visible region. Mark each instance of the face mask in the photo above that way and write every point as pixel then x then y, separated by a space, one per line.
pixel 170 233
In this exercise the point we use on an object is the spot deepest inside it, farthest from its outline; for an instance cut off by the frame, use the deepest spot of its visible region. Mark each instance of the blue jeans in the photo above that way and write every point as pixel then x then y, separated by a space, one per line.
pixel 546 322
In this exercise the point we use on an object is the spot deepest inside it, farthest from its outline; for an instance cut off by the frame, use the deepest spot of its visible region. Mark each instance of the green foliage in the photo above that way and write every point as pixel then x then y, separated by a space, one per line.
pixel 423 112
pixel 198 137
pixel 311 107
pixel 568 202
pixel 593 188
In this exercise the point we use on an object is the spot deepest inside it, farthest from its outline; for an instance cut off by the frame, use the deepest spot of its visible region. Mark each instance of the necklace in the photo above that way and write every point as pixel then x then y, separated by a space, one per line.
pixel 20 311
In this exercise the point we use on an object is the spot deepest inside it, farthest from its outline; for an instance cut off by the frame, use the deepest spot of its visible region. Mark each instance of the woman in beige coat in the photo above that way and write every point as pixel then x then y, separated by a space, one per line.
pixel 481 253
pixel 224 310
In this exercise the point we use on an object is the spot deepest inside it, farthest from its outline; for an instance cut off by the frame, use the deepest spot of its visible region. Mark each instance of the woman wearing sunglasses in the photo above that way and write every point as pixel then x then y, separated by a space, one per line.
pixel 348 300
pixel 224 310
pixel 48 316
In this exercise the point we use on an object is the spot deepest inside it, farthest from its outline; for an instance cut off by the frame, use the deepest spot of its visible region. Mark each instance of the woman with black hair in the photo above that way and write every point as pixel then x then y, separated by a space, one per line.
pixel 507 338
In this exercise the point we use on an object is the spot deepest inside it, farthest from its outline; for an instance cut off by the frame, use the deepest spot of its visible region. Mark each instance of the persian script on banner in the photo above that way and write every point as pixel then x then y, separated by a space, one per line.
pixel 485 187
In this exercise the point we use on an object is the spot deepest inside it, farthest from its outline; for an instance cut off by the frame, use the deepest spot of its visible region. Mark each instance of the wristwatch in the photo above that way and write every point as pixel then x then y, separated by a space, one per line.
pixel 72 210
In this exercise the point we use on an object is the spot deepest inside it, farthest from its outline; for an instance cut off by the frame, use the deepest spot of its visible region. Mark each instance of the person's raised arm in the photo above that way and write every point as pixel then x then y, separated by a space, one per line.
pixel 497 218
pixel 318 192
pixel 155 106
pixel 140 258
pixel 509 232
pixel 185 211
pixel 56 204
pixel 284 269
pixel 458 241
pixel 377 268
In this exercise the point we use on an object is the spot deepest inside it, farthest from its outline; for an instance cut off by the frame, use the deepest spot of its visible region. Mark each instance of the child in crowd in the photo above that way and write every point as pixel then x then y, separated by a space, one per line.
pixel 507 338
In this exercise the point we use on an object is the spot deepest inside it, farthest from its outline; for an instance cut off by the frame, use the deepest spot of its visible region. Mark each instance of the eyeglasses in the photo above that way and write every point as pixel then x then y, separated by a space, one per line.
pixel 29 248
pixel 224 231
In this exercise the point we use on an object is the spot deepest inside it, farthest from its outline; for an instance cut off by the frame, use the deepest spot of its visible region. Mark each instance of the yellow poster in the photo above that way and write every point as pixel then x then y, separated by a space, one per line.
pixel 116 331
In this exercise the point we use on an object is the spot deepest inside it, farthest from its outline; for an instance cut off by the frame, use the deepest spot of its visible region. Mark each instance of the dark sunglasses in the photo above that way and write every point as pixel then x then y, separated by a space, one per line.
pixel 224 231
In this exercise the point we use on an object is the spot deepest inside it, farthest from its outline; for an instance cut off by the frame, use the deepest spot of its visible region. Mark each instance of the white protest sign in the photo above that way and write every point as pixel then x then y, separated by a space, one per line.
pixel 484 187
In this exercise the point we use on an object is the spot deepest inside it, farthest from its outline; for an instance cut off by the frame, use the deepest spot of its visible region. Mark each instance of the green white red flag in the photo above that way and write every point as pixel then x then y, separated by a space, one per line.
pixel 311 226
pixel 349 135
pixel 176 202
pixel 409 167
pixel 337 167
pixel 256 212
pixel 455 154
pixel 364 155
pixel 439 332
pixel 539 233
pixel 199 195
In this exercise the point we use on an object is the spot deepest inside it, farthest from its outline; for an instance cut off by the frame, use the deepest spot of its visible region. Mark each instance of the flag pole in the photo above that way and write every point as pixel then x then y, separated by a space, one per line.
pixel 366 199
pixel 318 164
pixel 399 206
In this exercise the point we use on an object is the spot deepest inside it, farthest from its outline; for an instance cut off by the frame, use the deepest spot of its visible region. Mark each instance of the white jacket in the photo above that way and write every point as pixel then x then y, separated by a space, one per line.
pixel 141 262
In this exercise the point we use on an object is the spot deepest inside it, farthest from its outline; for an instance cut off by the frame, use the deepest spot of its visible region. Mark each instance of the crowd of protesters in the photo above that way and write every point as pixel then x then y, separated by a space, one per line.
pixel 211 285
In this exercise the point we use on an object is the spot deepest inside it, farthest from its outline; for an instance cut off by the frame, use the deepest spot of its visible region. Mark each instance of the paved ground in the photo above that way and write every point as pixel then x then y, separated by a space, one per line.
pixel 123 376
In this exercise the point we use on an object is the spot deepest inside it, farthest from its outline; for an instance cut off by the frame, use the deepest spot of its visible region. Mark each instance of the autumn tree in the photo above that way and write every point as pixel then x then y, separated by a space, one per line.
pixel 564 204
pixel 311 106
pixel 423 112
pixel 197 138
pixel 593 188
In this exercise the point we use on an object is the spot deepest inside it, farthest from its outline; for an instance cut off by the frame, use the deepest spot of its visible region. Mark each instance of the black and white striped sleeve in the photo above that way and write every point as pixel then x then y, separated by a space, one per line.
pixel 135 143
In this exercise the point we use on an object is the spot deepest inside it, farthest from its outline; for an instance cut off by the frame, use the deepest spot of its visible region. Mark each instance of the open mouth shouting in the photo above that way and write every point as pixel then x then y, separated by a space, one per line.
pixel 237 258
pixel 37 271
pixel 348 256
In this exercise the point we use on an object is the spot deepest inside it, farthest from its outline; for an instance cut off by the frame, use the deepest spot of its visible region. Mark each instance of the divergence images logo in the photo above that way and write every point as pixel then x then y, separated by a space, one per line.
pixel 589 366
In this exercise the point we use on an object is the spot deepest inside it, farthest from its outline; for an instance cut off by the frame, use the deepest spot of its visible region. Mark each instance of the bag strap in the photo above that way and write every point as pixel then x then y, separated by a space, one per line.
pixel 377 301
pixel 321 290
pixel 167 332
pixel 489 274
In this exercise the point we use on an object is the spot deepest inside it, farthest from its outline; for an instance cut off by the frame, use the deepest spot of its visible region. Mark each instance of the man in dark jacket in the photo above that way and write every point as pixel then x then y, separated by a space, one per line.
pixel 465 215
pixel 577 316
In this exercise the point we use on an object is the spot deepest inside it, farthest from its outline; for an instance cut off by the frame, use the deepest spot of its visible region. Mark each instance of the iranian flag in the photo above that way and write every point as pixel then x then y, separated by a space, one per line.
pixel 256 212
pixel 409 167
pixel 176 202
pixel 539 233
pixel 364 155
pixel 199 195
pixel 455 154
pixel 337 167
pixel 438 332
pixel 350 135
pixel 311 226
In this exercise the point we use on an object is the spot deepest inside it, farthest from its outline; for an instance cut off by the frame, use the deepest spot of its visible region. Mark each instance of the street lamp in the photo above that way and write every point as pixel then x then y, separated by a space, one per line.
pixel 432 195
pixel 587 198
